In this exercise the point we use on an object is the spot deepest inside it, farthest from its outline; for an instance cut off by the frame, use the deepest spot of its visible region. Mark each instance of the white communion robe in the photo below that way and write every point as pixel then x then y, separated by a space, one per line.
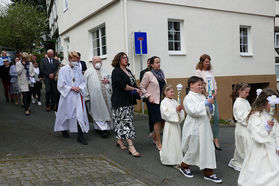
pixel 100 98
pixel 241 109
pixel 171 152
pixel 261 164
pixel 71 108
pixel 197 139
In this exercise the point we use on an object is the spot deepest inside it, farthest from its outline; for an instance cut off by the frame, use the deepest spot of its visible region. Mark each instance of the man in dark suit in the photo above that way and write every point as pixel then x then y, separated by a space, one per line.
pixel 145 70
pixel 81 64
pixel 49 67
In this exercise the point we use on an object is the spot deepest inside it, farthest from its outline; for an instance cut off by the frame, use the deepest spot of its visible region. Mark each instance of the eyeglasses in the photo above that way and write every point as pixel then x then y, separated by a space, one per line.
pixel 124 57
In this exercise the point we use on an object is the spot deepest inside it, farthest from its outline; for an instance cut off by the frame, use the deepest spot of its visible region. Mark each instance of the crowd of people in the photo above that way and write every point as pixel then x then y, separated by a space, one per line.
pixel 79 94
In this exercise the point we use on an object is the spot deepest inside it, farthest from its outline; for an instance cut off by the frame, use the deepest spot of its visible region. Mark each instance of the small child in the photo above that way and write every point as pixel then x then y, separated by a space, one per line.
pixel 241 109
pixel 261 163
pixel 172 113
pixel 197 139
pixel 36 92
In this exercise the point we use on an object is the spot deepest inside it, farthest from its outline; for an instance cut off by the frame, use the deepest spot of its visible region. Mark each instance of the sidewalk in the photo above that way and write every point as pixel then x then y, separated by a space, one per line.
pixel 64 171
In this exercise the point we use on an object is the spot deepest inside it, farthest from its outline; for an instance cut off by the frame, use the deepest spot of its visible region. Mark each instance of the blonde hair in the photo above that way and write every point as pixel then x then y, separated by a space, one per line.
pixel 73 54
pixel 25 56
pixel 167 87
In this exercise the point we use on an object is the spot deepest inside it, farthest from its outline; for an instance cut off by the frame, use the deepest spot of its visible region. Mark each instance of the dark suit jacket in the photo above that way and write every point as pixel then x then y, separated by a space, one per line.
pixel 83 66
pixel 46 68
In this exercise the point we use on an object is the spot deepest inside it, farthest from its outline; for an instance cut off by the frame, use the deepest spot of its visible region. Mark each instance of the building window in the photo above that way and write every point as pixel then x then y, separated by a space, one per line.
pixel 99 41
pixel 276 39
pixel 174 35
pixel 245 43
pixel 67 44
pixel 66 5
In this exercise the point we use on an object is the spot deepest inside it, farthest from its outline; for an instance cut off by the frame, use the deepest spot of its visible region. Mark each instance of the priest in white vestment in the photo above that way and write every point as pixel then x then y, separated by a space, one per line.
pixel 99 93
pixel 71 114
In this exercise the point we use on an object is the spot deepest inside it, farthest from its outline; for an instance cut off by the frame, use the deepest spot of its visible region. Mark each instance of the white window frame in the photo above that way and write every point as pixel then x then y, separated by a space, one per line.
pixel 98 29
pixel 276 64
pixel 275 39
pixel 249 53
pixel 182 49
pixel 66 5
pixel 67 47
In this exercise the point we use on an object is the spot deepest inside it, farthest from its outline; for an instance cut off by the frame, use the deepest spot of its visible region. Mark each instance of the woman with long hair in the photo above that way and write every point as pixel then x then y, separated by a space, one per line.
pixel 124 95
pixel 203 70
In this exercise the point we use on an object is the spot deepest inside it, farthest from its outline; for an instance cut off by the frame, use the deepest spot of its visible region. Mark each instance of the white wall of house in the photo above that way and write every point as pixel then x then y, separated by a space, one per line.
pixel 80 37
pixel 207 26
pixel 205 31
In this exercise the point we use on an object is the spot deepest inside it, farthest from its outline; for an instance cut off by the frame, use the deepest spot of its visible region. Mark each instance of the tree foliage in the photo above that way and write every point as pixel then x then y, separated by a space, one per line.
pixel 21 26
pixel 40 4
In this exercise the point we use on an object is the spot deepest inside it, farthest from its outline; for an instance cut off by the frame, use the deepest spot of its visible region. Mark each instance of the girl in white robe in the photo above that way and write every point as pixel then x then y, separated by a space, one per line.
pixel 241 109
pixel 197 139
pixel 173 114
pixel 71 114
pixel 261 164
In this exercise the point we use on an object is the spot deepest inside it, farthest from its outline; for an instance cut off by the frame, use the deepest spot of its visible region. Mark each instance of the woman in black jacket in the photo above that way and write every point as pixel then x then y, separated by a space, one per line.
pixel 124 95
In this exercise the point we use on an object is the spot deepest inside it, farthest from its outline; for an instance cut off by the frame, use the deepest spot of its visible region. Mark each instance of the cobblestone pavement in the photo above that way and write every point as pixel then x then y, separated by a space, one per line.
pixel 64 171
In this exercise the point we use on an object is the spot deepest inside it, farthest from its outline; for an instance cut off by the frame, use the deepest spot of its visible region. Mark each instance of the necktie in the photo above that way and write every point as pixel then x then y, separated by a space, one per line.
pixel 50 61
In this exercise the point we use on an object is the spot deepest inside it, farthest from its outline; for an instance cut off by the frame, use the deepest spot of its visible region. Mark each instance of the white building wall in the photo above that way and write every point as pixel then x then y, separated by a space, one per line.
pixel 77 11
pixel 265 7
pixel 277 13
pixel 81 38
pixel 205 31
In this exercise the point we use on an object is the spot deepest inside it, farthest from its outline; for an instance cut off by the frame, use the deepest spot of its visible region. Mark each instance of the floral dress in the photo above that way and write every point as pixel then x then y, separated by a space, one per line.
pixel 122 119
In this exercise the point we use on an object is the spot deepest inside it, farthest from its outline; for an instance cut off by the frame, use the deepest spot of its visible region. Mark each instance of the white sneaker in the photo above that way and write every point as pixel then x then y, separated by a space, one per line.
pixel 39 103
pixel 33 100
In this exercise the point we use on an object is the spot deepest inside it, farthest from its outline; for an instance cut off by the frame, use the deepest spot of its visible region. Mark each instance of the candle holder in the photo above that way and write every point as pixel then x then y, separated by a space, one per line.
pixel 179 88
pixel 272 100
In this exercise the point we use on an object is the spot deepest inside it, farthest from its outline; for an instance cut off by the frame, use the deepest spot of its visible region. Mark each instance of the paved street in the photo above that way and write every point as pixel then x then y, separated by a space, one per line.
pixel 32 154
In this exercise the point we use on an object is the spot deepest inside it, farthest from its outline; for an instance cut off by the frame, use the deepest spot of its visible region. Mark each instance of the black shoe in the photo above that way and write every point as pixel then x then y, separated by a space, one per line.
pixel 65 134
pixel 82 140
pixel 104 134
pixel 217 148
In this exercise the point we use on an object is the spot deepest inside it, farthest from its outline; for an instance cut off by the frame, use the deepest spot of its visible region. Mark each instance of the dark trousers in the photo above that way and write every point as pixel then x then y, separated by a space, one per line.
pixel 26 100
pixel 51 92
pixel 36 90
pixel 151 124
pixel 7 90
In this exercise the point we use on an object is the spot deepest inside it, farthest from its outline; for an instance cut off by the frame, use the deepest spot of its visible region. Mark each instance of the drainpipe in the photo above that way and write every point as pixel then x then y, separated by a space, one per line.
pixel 125 25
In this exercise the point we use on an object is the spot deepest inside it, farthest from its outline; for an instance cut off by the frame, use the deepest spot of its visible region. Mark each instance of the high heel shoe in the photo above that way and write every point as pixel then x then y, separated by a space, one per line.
pixel 120 144
pixel 157 146
pixel 217 148
pixel 135 153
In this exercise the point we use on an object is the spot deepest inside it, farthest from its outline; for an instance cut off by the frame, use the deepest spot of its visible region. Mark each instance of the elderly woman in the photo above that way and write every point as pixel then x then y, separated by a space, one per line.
pixel 124 94
pixel 152 85
pixel 203 70
pixel 71 114
pixel 25 72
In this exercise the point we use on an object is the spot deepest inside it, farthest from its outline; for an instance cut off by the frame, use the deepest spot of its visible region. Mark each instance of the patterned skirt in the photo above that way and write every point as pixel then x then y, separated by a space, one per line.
pixel 122 119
